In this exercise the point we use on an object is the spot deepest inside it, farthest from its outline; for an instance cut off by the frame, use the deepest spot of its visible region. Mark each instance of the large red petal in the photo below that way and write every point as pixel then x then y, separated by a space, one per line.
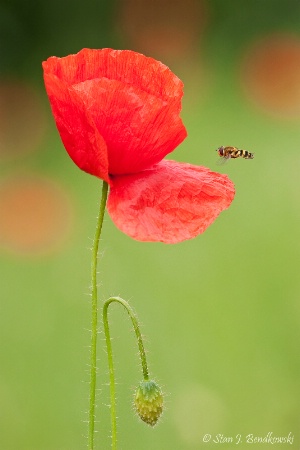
pixel 78 132
pixel 135 102
pixel 126 66
pixel 139 129
pixel 170 202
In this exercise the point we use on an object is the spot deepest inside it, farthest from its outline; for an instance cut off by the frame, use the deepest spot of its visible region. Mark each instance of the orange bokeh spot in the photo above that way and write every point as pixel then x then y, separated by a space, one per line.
pixel 35 215
pixel 271 75
pixel 163 29
pixel 22 119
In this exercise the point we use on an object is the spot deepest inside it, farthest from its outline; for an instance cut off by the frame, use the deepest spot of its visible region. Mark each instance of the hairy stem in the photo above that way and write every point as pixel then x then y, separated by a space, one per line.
pixel 94 320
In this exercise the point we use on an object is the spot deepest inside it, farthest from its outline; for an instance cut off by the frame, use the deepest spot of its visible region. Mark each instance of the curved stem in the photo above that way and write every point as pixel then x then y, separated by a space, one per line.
pixel 94 323
pixel 142 352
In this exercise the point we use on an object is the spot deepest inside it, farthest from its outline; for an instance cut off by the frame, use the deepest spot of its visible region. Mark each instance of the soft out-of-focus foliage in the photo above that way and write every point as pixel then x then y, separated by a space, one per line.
pixel 221 313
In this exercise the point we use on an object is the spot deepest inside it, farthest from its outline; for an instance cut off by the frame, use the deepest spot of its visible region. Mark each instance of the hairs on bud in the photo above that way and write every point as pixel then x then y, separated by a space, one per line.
pixel 148 402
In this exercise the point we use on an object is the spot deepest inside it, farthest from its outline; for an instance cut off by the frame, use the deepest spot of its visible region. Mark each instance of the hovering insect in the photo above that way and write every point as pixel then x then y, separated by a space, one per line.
pixel 227 153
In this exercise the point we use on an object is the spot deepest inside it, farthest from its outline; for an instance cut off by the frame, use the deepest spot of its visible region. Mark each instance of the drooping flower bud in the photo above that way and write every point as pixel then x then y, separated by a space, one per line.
pixel 148 401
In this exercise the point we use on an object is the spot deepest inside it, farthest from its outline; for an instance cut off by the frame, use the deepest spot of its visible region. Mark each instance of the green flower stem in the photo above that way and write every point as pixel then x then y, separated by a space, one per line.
pixel 94 327
pixel 135 324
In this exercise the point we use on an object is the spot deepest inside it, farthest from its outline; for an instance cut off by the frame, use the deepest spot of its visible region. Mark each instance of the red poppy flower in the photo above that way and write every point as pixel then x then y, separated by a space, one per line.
pixel 117 113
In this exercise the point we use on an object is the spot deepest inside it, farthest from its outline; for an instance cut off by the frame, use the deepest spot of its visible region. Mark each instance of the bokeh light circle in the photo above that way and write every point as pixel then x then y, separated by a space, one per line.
pixel 162 29
pixel 22 119
pixel 35 215
pixel 271 75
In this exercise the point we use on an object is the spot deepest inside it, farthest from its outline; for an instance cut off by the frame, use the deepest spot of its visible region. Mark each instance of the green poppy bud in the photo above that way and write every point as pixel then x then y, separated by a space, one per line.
pixel 148 401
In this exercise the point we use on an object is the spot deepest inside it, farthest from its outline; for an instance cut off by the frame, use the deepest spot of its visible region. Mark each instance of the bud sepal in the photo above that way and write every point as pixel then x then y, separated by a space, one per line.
pixel 148 402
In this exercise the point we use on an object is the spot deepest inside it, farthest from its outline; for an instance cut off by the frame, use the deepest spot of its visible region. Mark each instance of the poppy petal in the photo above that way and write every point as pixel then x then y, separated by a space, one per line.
pixel 134 101
pixel 138 128
pixel 79 134
pixel 126 66
pixel 170 202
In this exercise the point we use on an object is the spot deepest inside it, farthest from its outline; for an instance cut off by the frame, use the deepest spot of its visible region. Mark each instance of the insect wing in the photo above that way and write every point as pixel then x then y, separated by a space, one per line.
pixel 223 159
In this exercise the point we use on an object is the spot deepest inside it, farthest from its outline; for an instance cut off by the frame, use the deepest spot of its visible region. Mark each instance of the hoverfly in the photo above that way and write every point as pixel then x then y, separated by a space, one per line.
pixel 227 153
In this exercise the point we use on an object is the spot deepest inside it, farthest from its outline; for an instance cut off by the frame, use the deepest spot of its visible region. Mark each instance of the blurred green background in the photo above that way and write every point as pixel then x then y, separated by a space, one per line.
pixel 220 313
